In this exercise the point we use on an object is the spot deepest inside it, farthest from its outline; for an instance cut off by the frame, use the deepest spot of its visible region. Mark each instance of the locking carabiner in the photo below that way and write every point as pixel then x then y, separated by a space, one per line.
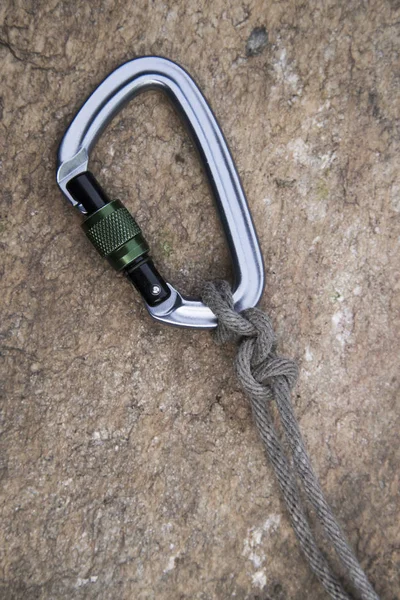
pixel 109 225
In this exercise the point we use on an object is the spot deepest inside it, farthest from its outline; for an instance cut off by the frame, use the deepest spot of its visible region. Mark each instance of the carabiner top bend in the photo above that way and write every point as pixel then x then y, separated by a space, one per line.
pixel 112 229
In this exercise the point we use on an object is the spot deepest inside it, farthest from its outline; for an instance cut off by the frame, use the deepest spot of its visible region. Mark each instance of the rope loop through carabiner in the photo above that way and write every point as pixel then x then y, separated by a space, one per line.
pixel 265 376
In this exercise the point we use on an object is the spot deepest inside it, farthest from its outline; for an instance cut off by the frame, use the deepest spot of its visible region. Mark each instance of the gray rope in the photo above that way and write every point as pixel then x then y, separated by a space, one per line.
pixel 266 376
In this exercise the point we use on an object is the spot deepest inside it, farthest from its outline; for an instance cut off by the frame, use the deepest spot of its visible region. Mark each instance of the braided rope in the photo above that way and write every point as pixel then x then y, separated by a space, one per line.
pixel 265 376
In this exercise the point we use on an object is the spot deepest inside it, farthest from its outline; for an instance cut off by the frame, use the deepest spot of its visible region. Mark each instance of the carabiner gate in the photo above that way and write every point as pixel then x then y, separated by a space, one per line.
pixel 112 229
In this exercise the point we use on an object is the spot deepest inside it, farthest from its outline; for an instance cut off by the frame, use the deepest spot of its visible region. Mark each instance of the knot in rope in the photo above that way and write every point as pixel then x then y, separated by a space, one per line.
pixel 265 375
pixel 258 367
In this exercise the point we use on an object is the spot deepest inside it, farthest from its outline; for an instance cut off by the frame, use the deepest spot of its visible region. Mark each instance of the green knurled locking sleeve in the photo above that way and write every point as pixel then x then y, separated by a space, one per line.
pixel 115 235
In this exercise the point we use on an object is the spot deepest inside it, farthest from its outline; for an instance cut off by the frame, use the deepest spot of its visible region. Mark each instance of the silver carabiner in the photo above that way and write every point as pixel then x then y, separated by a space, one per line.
pixel 135 76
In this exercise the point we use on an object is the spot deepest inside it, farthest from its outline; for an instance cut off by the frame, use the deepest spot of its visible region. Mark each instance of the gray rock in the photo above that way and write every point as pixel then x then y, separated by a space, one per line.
pixel 130 464
pixel 257 41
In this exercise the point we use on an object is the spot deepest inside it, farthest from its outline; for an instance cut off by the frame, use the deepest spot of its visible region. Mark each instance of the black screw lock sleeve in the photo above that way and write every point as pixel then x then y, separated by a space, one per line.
pixel 86 190
pixel 117 237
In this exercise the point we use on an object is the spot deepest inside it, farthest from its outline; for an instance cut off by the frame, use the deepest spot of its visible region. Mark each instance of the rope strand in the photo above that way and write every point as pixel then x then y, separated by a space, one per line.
pixel 265 376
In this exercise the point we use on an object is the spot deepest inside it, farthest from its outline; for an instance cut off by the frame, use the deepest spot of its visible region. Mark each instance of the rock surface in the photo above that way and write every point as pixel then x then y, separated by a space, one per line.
pixel 130 464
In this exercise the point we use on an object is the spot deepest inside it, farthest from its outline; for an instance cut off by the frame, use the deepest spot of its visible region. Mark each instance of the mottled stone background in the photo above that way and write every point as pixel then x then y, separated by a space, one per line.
pixel 130 464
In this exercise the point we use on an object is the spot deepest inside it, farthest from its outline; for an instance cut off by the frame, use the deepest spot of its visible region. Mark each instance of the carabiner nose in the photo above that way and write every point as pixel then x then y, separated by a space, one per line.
pixel 109 225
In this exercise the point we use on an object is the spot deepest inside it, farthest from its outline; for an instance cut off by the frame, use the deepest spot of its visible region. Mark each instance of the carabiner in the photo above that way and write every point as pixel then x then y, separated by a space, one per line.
pixel 109 225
